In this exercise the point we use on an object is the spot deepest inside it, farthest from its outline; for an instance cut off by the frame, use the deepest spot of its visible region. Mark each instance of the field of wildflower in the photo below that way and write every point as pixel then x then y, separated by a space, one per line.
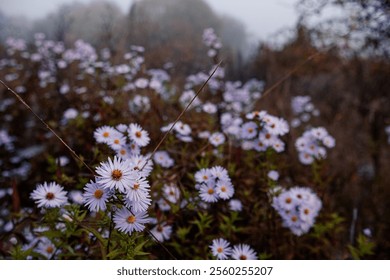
pixel 111 159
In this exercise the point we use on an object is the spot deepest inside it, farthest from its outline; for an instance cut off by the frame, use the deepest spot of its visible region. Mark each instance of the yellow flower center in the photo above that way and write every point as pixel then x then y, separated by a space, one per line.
pixel 49 249
pixel 294 218
pixel 50 196
pixel 138 134
pixel 210 191
pixel 116 174
pixel 136 186
pixel 116 141
pixel 288 200
pixel 131 219
pixel 98 194
pixel 106 134
pixel 223 189
pixel 220 250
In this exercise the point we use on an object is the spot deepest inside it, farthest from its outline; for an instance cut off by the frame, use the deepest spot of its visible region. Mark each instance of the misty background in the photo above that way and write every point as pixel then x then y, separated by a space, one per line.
pixel 257 16
pixel 170 30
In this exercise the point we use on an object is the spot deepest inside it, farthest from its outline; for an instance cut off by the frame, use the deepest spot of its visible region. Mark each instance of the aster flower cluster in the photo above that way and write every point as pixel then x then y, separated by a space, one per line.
pixel 214 184
pixel 6 140
pixel 182 131
pixel 122 179
pixel 262 131
pixel 222 250
pixel 298 207
pixel 212 41
pixel 125 140
pixel 303 109
pixel 139 103
pixel 239 98
pixel 312 145
pixel 170 195
pixel 163 159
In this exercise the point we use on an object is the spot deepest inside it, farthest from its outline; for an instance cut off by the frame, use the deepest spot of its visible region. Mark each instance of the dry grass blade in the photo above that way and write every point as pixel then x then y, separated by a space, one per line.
pixel 289 73
pixel 182 113
pixel 47 126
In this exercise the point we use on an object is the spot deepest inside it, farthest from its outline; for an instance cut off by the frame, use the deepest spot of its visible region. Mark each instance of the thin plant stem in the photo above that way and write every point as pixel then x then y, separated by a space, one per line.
pixel 47 126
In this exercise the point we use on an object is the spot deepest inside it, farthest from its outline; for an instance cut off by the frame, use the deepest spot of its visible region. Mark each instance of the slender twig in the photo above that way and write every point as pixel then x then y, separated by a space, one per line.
pixel 185 109
pixel 160 243
pixel 288 74
pixel 180 115
pixel 47 126
pixel 165 136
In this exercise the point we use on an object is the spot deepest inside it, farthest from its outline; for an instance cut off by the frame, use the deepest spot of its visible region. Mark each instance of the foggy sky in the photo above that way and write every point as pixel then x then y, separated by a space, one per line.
pixel 262 18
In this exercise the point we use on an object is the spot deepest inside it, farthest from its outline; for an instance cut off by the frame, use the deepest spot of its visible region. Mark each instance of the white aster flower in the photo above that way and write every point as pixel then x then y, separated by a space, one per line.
pixel 104 133
pixel 220 248
pixel 141 164
pixel 116 174
pixel 220 173
pixel 224 189
pixel 162 158
pixel 162 231
pixel 46 247
pixel 49 195
pixel 171 193
pixel 209 108
pixel 235 205
pixel 96 196
pixel 208 193
pixel 182 128
pixel 138 190
pixel 249 130
pixel 217 139
pixel 203 175
pixel 117 141
pixel 128 222
pixel 273 175
pixel 138 206
pixel 243 252
pixel 138 135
